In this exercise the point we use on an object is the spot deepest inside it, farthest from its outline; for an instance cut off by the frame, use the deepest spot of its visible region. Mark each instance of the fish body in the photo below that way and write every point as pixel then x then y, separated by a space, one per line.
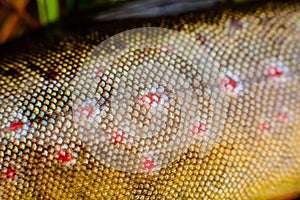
pixel 246 85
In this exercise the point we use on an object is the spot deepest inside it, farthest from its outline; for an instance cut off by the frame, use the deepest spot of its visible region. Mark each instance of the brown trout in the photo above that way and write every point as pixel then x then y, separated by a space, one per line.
pixel 213 114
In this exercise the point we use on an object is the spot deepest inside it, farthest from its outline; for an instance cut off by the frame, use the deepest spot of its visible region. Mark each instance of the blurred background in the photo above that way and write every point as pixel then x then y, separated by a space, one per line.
pixel 18 17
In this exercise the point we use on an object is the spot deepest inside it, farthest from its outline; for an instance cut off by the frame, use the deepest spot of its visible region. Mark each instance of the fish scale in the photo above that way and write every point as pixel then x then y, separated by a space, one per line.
pixel 248 144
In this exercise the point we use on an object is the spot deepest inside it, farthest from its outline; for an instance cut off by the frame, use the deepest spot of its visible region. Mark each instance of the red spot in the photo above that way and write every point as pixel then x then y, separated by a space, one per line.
pixel 99 72
pixel 10 173
pixel 298 33
pixel 87 111
pixel 282 117
pixel 201 39
pixel 150 98
pixel 265 126
pixel 198 129
pixel 280 39
pixel 15 126
pixel 63 156
pixel 166 48
pixel 118 137
pixel 229 84
pixel 274 72
pixel 148 165
pixel 236 25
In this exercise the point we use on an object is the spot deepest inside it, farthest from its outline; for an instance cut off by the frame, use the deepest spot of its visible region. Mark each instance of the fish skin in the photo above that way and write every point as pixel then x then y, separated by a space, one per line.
pixel 257 152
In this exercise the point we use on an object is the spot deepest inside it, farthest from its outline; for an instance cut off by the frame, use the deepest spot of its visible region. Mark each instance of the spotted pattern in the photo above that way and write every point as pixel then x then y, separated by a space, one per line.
pixel 256 155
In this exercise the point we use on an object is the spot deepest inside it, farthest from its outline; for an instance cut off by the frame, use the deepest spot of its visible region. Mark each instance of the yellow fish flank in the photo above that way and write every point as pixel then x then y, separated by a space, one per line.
pixel 245 126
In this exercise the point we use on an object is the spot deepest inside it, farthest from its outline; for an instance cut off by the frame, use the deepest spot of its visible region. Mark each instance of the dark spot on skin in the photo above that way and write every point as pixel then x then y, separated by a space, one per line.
pixel 12 72
pixel 33 67
pixel 283 26
pixel 50 74
pixel 264 20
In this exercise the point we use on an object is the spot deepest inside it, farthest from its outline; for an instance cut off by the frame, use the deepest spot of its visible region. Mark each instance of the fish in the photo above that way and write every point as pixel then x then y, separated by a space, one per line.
pixel 206 107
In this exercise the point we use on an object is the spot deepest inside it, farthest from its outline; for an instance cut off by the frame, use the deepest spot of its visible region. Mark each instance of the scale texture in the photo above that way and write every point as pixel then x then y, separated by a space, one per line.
pixel 247 142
